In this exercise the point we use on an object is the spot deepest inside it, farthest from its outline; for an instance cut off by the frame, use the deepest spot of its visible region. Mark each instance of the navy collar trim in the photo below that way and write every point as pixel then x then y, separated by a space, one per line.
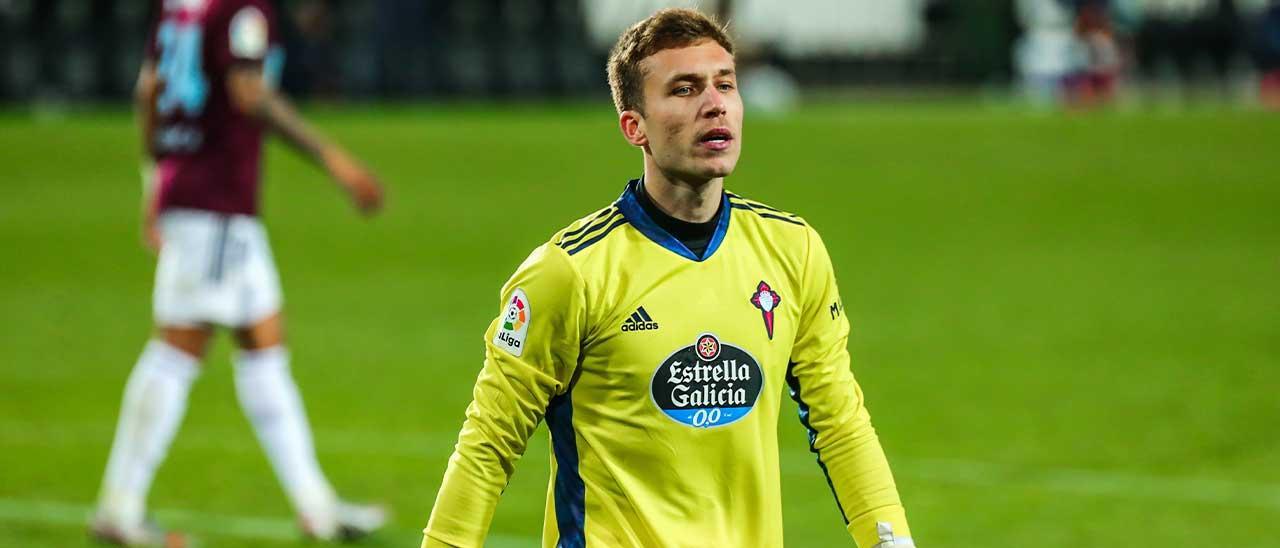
pixel 636 215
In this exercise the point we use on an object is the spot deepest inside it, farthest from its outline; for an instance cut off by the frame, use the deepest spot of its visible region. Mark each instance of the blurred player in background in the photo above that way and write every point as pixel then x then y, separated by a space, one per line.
pixel 657 335
pixel 1094 82
pixel 205 94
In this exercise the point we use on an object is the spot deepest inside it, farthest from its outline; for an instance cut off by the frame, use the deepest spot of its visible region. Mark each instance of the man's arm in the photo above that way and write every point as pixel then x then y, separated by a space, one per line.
pixel 251 94
pixel 531 354
pixel 831 408
pixel 144 113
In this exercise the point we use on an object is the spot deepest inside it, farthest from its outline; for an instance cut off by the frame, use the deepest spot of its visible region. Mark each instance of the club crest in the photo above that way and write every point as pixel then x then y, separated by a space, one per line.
pixel 767 300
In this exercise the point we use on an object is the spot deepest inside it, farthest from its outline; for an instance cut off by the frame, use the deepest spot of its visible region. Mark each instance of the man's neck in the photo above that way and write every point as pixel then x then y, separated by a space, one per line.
pixel 689 201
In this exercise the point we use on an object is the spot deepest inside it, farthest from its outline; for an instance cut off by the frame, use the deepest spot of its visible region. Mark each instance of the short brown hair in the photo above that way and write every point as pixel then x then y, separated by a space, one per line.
pixel 665 29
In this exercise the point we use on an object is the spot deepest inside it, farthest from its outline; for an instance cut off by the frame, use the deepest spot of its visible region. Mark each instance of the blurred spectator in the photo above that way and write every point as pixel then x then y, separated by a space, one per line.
pixel 969 42
pixel 311 65
pixel 104 32
pixel 7 44
pixel 1048 51
pixel 406 33
pixel 50 42
pixel 1195 40
pixel 1267 55
pixel 1058 50
pixel 56 35
pixel 1093 83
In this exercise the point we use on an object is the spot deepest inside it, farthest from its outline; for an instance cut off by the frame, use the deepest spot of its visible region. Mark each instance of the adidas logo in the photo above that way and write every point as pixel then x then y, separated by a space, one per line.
pixel 639 321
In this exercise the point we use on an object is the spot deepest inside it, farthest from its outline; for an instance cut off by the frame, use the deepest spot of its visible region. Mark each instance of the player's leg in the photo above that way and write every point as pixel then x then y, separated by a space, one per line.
pixel 155 400
pixel 273 404
pixel 271 400
pixel 185 306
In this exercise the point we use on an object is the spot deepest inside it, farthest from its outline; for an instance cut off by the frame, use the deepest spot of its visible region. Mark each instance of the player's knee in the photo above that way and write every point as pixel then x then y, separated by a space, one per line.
pixel 192 341
pixel 265 334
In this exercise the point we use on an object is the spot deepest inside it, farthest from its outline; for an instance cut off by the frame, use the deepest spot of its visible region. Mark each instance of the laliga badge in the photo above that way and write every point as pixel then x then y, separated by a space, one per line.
pixel 514 324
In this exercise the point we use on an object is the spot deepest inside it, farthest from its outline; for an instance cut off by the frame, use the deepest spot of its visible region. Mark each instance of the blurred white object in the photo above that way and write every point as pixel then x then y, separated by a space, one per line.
pixel 344 521
pixel 796 27
pixel 1048 51
pixel 768 90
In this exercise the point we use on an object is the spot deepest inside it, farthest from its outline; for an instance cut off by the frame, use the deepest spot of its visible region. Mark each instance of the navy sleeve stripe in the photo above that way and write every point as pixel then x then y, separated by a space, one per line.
pixel 570 491
pixel 587 224
pixel 793 386
pixel 566 243
pixel 769 215
pixel 599 236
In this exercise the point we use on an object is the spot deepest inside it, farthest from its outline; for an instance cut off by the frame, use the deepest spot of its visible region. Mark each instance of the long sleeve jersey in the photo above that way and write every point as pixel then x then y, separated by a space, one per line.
pixel 660 374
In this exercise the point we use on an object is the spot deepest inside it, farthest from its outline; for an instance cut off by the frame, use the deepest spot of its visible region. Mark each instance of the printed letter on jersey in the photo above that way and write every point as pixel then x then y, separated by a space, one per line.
pixel 708 383
pixel 513 326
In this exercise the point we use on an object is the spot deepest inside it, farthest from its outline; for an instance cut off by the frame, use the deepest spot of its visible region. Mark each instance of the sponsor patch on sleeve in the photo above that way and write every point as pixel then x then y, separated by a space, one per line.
pixel 249 33
pixel 513 326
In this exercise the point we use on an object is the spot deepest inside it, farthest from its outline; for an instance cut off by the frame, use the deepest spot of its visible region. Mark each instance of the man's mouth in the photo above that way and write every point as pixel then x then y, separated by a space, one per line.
pixel 716 138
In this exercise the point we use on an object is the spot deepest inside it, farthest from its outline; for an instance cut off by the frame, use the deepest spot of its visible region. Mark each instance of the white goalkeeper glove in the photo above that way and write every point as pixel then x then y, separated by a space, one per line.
pixel 884 532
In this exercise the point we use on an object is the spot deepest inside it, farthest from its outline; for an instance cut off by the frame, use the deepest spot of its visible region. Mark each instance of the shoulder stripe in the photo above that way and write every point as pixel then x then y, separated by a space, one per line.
pixel 567 240
pixel 755 204
pixel 599 236
pixel 584 226
pixel 792 220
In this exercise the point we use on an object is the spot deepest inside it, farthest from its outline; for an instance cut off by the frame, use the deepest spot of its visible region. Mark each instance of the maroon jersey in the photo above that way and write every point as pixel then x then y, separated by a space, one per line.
pixel 208 152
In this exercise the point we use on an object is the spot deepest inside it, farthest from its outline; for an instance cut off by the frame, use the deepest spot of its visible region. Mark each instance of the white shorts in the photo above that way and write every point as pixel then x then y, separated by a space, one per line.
pixel 214 269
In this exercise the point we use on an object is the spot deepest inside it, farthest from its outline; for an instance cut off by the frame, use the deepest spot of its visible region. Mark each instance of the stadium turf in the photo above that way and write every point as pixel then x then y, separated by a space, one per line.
pixel 1067 325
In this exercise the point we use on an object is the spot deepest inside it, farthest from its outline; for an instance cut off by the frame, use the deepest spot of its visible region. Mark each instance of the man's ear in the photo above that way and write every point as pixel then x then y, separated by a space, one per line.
pixel 631 123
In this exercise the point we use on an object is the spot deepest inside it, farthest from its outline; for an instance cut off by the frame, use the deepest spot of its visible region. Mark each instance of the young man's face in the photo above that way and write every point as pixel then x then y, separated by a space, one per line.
pixel 692 111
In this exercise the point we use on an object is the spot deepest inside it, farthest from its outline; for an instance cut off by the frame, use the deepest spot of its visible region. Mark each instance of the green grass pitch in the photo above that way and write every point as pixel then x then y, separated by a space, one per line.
pixel 1067 325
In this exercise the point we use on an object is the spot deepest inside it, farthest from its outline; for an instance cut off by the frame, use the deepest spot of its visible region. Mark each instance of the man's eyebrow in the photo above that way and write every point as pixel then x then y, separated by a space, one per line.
pixel 687 76
pixel 696 77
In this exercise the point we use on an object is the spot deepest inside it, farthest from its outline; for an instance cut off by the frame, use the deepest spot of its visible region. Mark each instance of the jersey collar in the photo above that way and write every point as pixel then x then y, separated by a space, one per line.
pixel 636 215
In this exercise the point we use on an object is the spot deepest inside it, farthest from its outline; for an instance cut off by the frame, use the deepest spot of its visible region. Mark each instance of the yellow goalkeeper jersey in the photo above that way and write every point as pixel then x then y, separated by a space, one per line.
pixel 660 373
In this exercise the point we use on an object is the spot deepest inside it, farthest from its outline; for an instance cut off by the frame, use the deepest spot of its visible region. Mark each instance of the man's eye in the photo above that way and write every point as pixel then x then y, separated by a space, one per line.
pixel 725 87
pixel 682 90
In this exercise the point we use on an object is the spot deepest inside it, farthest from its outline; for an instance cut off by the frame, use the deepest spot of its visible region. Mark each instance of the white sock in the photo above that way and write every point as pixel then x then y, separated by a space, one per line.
pixel 270 398
pixel 155 399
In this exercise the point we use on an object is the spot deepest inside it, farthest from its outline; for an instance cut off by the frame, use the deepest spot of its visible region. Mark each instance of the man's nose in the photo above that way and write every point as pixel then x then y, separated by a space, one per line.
pixel 715 105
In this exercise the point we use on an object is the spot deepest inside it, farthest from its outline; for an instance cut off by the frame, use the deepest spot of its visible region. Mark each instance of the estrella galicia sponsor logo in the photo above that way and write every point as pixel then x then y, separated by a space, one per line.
pixel 639 321
pixel 708 383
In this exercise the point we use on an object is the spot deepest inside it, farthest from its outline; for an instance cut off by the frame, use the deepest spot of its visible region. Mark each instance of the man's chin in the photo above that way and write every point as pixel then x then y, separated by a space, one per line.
pixel 703 172
pixel 719 170
pixel 715 168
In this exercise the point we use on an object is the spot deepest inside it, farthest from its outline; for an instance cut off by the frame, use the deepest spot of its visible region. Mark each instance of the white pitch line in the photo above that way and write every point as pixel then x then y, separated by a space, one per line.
pixel 62 514
pixel 77 515
pixel 1083 482
pixel 795 462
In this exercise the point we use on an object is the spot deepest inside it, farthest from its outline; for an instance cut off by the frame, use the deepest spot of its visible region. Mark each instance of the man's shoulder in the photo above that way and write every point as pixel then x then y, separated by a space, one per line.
pixel 589 230
pixel 768 217
pixel 774 230
pixel 558 257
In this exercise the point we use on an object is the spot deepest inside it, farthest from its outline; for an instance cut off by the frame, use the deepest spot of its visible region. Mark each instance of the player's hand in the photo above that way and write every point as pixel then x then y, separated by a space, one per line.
pixel 358 181
pixel 151 235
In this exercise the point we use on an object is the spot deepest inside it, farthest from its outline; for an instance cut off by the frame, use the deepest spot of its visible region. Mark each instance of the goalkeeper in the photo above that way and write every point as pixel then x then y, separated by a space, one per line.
pixel 657 336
